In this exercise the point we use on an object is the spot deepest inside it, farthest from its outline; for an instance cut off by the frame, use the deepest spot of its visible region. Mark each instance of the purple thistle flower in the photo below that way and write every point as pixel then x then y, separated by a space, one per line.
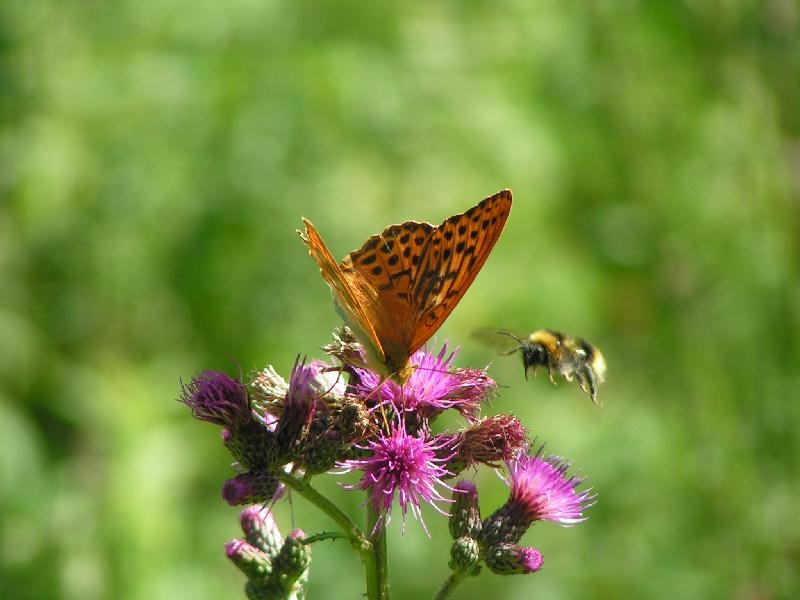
pixel 432 386
pixel 403 465
pixel 217 398
pixel 540 490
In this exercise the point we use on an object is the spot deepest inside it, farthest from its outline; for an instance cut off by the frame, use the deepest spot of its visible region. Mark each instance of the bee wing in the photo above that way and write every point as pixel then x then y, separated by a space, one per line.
pixel 501 340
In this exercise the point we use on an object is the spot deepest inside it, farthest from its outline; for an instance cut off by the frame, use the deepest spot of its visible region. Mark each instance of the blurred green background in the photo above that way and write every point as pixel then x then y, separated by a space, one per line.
pixel 156 158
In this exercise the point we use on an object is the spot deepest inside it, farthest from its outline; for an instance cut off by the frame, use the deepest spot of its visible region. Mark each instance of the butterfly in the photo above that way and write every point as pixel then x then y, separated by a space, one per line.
pixel 398 288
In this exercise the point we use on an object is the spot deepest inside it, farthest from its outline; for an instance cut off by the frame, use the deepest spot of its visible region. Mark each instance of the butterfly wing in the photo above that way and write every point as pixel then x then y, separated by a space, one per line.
pixel 399 287
pixel 450 261
pixel 387 263
pixel 420 272
pixel 356 300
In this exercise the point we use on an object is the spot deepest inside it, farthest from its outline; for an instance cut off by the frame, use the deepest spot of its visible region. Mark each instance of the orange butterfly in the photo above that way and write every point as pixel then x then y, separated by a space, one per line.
pixel 400 286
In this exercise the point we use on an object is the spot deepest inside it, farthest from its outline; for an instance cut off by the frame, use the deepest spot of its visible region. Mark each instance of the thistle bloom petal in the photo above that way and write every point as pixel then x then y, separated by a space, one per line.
pixel 543 491
pixel 433 386
pixel 400 465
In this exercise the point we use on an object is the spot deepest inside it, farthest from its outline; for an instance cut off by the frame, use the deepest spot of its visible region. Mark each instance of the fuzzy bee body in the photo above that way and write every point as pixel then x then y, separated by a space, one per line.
pixel 562 354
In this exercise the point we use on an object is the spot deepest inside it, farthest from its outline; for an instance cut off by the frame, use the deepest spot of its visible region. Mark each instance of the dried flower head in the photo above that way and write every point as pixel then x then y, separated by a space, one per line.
pixel 217 398
pixel 488 441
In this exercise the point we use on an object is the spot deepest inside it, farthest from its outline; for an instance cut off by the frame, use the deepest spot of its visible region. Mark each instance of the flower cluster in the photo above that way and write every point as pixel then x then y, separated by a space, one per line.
pixel 275 567
pixel 540 490
pixel 349 418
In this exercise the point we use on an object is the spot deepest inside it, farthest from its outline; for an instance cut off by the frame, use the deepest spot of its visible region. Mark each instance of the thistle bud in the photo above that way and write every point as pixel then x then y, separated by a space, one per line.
pixel 249 560
pixel 249 488
pixel 464 554
pixel 290 567
pixel 260 529
pixel 465 514
pixel 510 559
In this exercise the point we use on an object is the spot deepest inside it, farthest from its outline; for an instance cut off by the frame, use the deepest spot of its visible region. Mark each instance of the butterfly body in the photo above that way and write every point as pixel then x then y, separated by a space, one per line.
pixel 399 287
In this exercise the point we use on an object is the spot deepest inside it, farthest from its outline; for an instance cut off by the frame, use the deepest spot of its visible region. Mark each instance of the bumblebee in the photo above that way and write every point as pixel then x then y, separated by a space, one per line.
pixel 561 354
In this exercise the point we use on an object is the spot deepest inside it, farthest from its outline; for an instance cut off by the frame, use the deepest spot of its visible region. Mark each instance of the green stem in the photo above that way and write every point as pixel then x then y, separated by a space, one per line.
pixel 380 582
pixel 325 535
pixel 369 556
pixel 357 539
pixel 450 585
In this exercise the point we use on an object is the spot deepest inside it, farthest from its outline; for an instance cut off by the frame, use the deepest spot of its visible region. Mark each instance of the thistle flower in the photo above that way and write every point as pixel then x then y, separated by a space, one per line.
pixel 403 465
pixel 492 439
pixel 217 398
pixel 268 386
pixel 540 490
pixel 346 348
pixel 432 386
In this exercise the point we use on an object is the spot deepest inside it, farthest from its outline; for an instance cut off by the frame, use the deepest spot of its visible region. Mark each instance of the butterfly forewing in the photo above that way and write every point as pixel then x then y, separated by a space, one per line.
pixel 451 259
pixel 355 300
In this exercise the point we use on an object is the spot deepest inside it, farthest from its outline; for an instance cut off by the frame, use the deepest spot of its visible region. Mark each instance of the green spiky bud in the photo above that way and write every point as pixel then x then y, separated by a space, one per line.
pixel 251 561
pixel 248 488
pixel 465 515
pixel 260 529
pixel 464 554
pixel 290 567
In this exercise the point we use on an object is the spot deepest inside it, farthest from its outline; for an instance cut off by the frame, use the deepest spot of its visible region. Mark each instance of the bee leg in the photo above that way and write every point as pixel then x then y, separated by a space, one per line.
pixel 550 372
pixel 587 379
